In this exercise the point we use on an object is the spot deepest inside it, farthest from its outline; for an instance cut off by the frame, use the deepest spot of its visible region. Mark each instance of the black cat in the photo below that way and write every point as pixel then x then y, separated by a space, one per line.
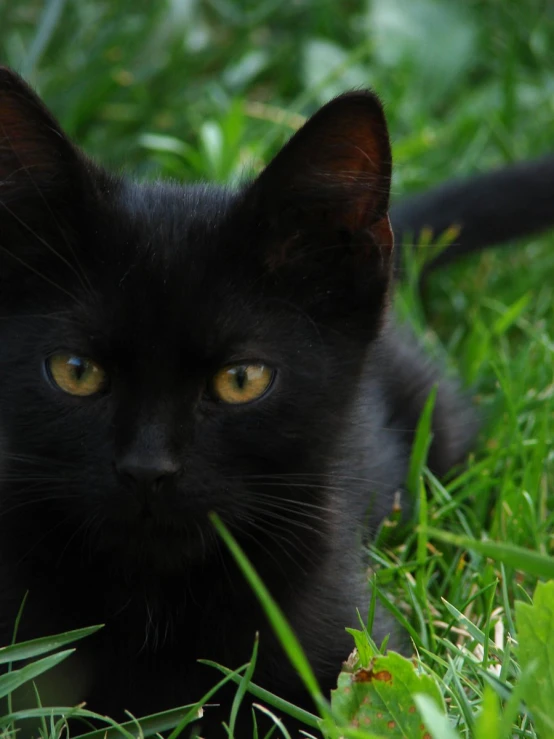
pixel 167 351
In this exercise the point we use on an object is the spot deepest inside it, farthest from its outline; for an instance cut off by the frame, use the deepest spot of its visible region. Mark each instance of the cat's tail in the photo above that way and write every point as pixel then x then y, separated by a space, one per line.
pixel 489 210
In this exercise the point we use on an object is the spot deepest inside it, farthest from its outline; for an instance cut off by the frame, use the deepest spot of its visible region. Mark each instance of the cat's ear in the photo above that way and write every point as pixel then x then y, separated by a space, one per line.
pixel 338 165
pixel 324 200
pixel 36 158
pixel 42 181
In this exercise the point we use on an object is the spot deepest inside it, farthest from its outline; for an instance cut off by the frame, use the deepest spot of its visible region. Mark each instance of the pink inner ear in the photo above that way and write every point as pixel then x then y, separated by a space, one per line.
pixel 359 148
pixel 359 160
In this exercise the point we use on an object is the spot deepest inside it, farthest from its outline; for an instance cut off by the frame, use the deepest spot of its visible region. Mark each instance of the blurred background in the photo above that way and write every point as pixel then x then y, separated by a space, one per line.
pixel 209 88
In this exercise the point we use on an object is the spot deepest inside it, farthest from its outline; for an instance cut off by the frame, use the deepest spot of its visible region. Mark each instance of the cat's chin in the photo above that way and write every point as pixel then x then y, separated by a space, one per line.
pixel 150 544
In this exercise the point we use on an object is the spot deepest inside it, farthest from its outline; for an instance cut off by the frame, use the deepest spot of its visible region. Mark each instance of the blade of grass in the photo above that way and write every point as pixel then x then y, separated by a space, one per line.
pixel 310 719
pixel 243 686
pixel 36 647
pixel 16 678
pixel 422 442
pixel 276 720
pixel 276 618
pixel 436 722
pixel 540 565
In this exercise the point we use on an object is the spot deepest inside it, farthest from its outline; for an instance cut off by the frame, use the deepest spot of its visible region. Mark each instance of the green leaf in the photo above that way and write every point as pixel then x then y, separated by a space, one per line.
pixel 271 699
pixel 364 648
pixel 243 686
pixel 422 442
pixel 526 560
pixel 36 647
pixel 275 719
pixel 487 725
pixel 13 680
pixel 381 697
pixel 474 631
pixel 510 315
pixel 65 713
pixel 535 627
pixel 435 719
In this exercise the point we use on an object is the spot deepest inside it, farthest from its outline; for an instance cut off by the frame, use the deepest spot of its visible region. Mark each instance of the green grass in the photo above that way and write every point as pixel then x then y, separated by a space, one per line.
pixel 209 91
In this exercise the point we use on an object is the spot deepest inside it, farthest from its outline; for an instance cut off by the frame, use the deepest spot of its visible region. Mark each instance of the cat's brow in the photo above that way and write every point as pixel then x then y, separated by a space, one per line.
pixel 39 274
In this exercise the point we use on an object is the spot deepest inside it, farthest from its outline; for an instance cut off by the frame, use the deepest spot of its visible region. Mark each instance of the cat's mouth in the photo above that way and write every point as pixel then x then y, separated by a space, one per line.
pixel 153 541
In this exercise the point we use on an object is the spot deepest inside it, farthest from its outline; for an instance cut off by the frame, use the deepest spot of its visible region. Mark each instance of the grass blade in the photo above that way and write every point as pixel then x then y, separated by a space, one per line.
pixel 287 637
pixel 525 560
pixel 36 647
pixel 16 678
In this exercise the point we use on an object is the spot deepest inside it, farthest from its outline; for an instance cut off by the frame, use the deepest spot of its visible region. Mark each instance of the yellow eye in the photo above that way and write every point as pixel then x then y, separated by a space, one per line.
pixel 76 375
pixel 242 383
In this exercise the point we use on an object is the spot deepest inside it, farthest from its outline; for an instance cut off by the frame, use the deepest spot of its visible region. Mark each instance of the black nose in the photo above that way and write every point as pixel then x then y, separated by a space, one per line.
pixel 146 471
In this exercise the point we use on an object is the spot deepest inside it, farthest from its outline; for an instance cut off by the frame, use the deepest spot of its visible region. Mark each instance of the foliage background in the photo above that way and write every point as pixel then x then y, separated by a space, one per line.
pixel 467 83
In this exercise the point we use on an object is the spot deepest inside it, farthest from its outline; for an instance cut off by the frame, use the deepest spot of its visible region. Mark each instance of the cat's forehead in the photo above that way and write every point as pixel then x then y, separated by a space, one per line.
pixel 169 275
pixel 166 238
pixel 171 219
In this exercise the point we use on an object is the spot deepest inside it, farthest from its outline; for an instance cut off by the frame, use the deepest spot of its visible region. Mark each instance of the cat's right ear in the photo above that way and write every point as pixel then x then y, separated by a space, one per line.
pixel 37 161
pixel 42 181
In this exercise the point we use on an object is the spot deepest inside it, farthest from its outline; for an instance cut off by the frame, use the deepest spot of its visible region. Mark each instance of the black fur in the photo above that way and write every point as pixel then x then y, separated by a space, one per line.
pixel 163 285
pixel 488 210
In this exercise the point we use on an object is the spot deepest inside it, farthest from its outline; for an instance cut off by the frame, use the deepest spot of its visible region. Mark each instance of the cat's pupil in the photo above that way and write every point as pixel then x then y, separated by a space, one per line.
pixel 78 367
pixel 241 377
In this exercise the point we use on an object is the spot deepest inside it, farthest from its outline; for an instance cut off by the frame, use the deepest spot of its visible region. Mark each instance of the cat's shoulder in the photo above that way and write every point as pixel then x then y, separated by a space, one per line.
pixel 406 375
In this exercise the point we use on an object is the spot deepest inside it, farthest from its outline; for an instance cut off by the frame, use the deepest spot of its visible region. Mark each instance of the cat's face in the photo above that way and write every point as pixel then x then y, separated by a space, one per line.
pixel 168 351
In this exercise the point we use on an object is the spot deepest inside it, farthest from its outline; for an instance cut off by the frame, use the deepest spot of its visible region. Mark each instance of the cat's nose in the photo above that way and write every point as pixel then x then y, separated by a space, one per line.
pixel 146 472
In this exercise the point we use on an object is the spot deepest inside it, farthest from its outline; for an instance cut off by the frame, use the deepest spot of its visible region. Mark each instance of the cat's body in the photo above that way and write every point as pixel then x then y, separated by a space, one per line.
pixel 309 553
pixel 104 496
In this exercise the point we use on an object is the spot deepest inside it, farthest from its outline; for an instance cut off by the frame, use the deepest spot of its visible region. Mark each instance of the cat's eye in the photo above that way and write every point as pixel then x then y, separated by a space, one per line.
pixel 75 375
pixel 242 383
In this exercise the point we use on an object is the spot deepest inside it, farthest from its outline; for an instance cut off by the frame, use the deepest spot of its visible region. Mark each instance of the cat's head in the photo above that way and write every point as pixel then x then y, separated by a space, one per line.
pixel 168 350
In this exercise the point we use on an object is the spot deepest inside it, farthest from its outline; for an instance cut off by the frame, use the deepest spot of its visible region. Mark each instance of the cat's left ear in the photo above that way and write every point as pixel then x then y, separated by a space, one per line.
pixel 322 206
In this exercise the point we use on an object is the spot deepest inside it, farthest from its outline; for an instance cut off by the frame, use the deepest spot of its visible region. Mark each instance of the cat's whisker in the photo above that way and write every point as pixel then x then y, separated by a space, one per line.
pixel 269 524
pixel 29 502
pixel 274 516
pixel 41 539
pixel 149 626
pixel 23 479
pixel 78 529
pixel 62 317
pixel 249 533
pixel 38 273
pixel 78 271
pixel 202 539
pixel 317 475
pixel 281 506
pixel 86 540
pixel 281 537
